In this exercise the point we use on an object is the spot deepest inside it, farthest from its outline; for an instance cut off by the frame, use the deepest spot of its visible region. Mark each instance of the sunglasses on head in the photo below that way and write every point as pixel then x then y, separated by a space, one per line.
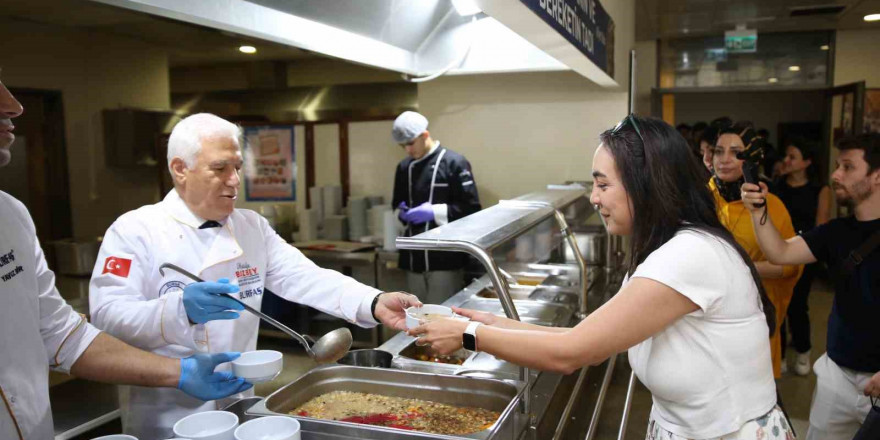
pixel 631 118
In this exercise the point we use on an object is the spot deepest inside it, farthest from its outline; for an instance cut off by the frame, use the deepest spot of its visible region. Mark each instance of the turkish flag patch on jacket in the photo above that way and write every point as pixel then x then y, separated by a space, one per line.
pixel 117 266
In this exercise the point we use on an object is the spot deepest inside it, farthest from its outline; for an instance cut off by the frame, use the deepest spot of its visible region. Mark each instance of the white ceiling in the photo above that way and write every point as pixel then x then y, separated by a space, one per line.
pixel 187 44
pixel 682 18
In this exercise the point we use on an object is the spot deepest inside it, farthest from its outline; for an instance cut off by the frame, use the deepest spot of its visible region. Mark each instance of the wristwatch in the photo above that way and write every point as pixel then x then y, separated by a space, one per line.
pixel 469 337
pixel 373 306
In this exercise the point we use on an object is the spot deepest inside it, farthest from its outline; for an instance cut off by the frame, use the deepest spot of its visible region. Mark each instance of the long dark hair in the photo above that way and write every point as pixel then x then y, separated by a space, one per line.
pixel 668 192
pixel 807 147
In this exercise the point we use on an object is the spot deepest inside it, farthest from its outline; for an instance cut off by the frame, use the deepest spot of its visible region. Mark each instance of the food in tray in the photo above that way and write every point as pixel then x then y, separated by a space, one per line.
pixel 398 412
pixel 530 280
pixel 440 359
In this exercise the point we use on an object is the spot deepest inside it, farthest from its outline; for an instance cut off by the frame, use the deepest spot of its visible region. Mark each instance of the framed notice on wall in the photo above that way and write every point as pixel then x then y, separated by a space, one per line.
pixel 269 163
pixel 872 111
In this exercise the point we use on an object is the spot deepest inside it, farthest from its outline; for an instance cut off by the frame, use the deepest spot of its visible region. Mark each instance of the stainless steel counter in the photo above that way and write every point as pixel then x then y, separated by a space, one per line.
pixel 548 393
pixel 80 405
pixel 561 296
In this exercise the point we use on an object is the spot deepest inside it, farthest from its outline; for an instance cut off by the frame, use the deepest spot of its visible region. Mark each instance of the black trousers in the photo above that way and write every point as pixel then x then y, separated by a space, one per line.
pixel 798 316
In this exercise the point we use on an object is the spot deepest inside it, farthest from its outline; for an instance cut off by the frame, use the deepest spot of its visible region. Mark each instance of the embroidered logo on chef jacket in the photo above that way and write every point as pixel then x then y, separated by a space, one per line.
pixel 7 273
pixel 249 283
pixel 171 286
pixel 117 266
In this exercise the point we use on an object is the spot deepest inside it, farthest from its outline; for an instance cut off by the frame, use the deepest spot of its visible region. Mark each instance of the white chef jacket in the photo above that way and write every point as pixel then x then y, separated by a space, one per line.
pixel 38 329
pixel 131 300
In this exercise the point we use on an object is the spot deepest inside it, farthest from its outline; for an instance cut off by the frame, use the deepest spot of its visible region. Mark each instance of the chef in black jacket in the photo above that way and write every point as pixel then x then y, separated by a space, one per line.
pixel 432 186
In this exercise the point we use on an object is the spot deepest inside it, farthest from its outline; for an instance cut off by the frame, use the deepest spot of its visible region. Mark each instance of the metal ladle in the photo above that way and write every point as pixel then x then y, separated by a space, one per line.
pixel 329 348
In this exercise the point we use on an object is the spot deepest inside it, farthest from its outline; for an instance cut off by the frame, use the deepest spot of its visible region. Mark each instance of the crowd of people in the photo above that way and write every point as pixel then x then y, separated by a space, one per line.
pixel 721 262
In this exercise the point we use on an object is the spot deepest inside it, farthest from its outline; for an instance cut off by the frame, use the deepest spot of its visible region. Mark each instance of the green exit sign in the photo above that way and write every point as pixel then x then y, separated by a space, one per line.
pixel 741 41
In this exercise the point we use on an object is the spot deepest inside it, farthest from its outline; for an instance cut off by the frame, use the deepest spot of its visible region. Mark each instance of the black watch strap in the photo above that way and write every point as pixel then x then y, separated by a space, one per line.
pixel 373 306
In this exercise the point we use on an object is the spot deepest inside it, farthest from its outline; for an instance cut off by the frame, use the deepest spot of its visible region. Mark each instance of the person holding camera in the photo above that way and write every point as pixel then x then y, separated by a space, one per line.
pixel 847 375
pixel 809 203
pixel 735 143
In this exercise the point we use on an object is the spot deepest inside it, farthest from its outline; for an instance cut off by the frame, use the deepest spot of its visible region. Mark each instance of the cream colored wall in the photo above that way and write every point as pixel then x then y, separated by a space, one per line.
pixel 373 157
pixel 327 155
pixel 521 132
pixel 93 71
pixel 857 57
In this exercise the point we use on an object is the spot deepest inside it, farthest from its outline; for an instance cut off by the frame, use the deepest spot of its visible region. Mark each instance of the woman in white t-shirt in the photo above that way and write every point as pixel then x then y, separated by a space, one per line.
pixel 692 311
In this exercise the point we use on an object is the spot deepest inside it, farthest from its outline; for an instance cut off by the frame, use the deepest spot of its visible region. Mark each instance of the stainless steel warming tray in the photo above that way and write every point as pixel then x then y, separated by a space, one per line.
pixel 534 312
pixel 496 395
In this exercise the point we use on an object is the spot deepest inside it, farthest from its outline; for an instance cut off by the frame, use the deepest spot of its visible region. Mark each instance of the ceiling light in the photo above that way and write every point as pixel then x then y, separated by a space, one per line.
pixel 466 7
pixel 824 47
pixel 247 49
pixel 773 80
pixel 872 17
pixel 794 68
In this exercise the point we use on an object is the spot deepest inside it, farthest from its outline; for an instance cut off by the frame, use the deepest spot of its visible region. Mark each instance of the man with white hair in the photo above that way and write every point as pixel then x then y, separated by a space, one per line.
pixel 197 228
pixel 39 330
pixel 433 186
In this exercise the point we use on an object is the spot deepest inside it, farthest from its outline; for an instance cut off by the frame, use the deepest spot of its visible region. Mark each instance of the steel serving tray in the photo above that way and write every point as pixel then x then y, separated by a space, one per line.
pixel 533 312
pixel 496 395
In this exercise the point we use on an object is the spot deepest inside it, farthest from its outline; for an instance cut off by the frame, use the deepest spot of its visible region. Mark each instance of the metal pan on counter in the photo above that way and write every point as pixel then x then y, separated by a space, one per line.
pixel 501 396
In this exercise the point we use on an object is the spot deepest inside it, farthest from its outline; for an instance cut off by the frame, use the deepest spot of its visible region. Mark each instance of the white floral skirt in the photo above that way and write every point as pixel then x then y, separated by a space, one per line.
pixel 770 426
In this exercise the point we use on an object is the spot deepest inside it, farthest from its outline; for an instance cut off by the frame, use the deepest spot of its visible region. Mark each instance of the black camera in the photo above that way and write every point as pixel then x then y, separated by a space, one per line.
pixel 752 155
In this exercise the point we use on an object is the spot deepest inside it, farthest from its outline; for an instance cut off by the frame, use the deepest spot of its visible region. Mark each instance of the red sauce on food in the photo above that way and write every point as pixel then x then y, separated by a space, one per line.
pixel 383 419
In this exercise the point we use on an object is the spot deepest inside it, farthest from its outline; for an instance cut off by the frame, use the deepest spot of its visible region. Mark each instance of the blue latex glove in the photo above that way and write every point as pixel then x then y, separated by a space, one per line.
pixel 207 301
pixel 402 208
pixel 198 379
pixel 420 214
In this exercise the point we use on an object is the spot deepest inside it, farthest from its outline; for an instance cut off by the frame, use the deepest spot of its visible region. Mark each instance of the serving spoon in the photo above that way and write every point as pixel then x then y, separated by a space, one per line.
pixel 329 348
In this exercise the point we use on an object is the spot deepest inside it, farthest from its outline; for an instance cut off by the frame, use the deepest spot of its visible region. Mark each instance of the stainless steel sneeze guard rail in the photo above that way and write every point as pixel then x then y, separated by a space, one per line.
pixel 479 233
pixel 555 198
pixel 559 199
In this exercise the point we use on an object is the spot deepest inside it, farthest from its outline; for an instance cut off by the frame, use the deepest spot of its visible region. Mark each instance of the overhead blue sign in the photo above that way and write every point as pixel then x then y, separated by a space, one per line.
pixel 584 23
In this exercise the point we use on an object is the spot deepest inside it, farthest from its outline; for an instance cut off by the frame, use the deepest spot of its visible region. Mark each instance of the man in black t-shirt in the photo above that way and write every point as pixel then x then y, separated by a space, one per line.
pixel 850 370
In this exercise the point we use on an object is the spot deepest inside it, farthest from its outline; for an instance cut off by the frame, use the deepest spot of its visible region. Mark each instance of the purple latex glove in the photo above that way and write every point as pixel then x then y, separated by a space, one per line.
pixel 402 208
pixel 420 214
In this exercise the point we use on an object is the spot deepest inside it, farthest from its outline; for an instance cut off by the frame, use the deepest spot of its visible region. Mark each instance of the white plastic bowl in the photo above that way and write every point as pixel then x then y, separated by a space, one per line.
pixel 208 425
pixel 415 316
pixel 116 437
pixel 269 428
pixel 258 366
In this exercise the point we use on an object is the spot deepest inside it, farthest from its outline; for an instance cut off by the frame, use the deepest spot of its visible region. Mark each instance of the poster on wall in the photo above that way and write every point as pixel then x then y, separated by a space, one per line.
pixel 269 164
pixel 872 111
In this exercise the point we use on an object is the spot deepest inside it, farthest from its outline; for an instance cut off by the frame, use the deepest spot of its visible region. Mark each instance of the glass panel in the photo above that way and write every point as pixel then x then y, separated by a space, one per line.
pixel 781 59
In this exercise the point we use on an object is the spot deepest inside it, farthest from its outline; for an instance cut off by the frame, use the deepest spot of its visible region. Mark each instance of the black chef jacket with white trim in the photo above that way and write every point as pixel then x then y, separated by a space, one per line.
pixel 453 186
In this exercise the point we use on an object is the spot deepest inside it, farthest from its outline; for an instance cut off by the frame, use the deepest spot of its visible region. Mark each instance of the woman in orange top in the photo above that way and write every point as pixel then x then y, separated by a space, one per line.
pixel 778 280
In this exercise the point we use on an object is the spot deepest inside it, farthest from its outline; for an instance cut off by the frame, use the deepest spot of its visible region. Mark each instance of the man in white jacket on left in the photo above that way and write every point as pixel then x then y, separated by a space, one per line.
pixel 197 227
pixel 39 330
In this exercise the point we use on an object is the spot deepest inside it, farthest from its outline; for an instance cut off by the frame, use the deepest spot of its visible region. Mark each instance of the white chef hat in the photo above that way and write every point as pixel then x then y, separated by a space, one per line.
pixel 408 126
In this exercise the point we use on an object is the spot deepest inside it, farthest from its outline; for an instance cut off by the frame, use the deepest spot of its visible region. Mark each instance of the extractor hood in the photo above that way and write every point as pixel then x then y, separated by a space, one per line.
pixel 417 38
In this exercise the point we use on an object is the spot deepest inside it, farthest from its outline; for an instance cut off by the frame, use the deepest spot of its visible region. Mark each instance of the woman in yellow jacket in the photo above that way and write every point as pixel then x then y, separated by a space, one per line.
pixel 778 280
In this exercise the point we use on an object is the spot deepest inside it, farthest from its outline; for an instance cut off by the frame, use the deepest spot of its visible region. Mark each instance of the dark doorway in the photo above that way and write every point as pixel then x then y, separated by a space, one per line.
pixel 38 173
